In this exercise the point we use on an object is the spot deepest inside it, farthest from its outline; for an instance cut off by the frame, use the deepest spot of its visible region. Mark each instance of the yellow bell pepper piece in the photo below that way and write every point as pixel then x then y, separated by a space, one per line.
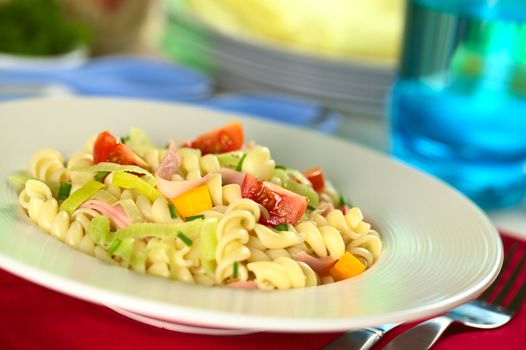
pixel 347 266
pixel 193 202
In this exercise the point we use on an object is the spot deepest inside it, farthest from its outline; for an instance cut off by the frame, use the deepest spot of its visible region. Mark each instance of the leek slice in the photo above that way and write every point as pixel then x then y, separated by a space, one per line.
pixel 106 197
pixel 208 239
pixel 138 259
pixel 99 229
pixel 139 142
pixel 300 188
pixel 208 245
pixel 127 180
pixel 114 167
pixel 81 195
pixel 18 182
pixel 230 159
pixel 125 249
pixel 143 230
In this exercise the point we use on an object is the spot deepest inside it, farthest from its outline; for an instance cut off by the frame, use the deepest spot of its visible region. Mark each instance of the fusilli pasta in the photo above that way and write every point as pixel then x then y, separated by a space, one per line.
pixel 255 222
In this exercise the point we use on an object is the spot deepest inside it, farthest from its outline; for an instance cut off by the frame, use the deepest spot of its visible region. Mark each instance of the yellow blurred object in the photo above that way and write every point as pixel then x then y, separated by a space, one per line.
pixel 338 28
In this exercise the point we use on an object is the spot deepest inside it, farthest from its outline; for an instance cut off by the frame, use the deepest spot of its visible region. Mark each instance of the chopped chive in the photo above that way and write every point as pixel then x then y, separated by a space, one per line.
pixel 280 167
pixel 282 227
pixel 310 207
pixel 343 200
pixel 101 175
pixel 241 161
pixel 125 139
pixel 236 269
pixel 184 238
pixel 173 213
pixel 195 217
pixel 114 245
pixel 64 191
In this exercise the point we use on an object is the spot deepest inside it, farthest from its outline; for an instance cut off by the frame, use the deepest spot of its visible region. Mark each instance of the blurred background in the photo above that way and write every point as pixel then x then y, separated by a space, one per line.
pixel 431 75
pixel 325 64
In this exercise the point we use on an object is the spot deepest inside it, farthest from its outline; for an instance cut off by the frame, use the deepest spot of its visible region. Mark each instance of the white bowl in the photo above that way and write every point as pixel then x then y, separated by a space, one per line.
pixel 440 250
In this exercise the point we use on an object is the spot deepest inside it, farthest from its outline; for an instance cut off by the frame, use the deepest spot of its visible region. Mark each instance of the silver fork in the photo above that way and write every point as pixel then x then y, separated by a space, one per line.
pixel 481 313
pixel 360 339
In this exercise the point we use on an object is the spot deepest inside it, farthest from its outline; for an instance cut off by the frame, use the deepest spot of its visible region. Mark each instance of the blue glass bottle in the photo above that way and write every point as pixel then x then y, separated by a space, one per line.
pixel 458 107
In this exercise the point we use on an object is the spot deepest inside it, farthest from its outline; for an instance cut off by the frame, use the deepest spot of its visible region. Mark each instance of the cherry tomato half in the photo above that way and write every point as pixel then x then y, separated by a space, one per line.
pixel 283 206
pixel 224 139
pixel 107 149
pixel 316 178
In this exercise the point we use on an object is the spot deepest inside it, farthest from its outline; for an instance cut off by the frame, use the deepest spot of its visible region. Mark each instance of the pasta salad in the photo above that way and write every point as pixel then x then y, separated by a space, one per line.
pixel 212 211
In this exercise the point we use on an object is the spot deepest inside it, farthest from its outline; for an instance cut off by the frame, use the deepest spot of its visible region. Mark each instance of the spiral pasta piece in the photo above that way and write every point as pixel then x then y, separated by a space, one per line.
pixel 323 241
pixel 231 193
pixel 337 220
pixel 156 211
pixel 153 157
pixel 77 161
pixel 273 240
pixel 232 237
pixel 282 273
pixel 209 164
pixel 367 248
pixel 258 162
pixel 48 165
pixel 43 210
pixel 215 189
pixel 257 250
pixel 190 163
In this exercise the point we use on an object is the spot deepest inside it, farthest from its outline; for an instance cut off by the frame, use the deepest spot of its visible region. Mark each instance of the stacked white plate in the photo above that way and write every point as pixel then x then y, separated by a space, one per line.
pixel 355 86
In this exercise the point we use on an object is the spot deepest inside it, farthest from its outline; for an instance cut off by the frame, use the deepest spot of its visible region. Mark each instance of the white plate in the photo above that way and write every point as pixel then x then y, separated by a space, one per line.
pixel 440 250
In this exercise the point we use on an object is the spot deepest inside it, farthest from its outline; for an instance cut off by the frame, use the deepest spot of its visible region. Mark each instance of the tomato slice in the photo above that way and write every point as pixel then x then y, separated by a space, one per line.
pixel 104 145
pixel 316 178
pixel 224 139
pixel 283 206
pixel 107 149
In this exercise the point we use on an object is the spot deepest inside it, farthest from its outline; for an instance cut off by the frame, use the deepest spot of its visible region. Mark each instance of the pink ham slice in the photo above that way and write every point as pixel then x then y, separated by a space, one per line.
pixel 172 189
pixel 114 213
pixel 170 163
pixel 243 285
pixel 320 265
pixel 229 176
pixel 168 167
pixel 330 207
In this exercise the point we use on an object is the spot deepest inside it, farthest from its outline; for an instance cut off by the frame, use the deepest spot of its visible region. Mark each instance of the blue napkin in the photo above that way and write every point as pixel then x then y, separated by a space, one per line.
pixel 282 108
pixel 144 78
pixel 112 76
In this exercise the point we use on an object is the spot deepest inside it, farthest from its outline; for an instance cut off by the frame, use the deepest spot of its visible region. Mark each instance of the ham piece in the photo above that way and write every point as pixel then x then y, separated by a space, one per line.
pixel 168 167
pixel 230 176
pixel 243 285
pixel 320 265
pixel 114 213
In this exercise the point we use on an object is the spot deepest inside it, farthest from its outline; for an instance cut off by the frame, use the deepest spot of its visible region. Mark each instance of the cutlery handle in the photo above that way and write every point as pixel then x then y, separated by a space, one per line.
pixel 421 337
pixel 360 339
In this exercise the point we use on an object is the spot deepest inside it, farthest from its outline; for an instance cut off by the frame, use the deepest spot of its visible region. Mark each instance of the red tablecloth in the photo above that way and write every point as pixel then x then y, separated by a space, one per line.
pixel 33 317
